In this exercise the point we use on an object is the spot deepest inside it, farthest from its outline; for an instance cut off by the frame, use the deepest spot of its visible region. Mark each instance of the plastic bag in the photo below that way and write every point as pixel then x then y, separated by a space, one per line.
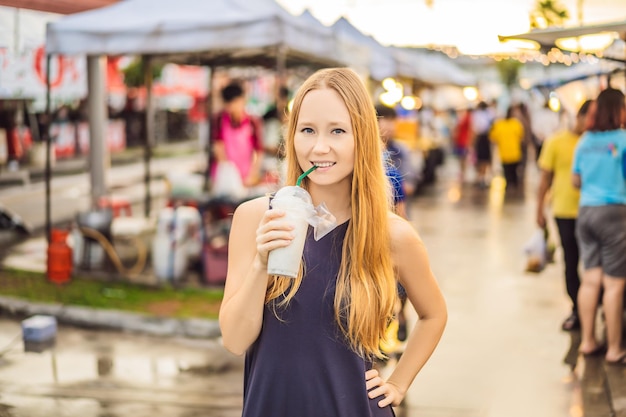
pixel 536 250
pixel 227 181
pixel 323 222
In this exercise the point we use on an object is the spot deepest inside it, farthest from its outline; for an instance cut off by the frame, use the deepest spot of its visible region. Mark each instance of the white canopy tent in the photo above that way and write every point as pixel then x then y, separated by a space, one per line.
pixel 432 68
pixel 351 51
pixel 380 60
pixel 213 33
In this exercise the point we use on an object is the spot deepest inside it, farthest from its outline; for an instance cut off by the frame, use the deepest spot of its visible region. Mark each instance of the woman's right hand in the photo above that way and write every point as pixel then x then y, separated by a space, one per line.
pixel 274 231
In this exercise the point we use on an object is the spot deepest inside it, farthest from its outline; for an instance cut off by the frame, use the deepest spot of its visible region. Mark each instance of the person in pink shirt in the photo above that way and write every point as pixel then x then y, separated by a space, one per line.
pixel 237 136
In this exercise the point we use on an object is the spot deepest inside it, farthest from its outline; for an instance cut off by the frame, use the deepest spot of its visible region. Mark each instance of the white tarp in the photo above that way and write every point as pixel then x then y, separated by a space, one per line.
pixel 432 68
pixel 352 52
pixel 166 27
pixel 381 62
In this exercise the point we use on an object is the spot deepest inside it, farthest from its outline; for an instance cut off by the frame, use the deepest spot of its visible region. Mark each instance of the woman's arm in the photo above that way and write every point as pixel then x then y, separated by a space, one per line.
pixel 413 266
pixel 576 180
pixel 254 233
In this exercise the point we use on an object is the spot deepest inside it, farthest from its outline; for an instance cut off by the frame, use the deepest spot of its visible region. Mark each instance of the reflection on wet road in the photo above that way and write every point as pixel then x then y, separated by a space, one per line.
pixel 111 374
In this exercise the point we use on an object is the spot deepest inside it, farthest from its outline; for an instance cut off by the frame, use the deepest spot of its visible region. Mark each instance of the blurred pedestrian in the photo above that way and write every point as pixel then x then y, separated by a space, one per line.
pixel 386 118
pixel 482 119
pixel 310 342
pixel 463 138
pixel 274 121
pixel 237 136
pixel 398 153
pixel 555 162
pixel 508 133
pixel 524 116
pixel 599 171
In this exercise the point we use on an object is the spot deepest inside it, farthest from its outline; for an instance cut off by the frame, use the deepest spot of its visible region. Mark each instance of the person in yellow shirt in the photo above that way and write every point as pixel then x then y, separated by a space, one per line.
pixel 555 161
pixel 507 134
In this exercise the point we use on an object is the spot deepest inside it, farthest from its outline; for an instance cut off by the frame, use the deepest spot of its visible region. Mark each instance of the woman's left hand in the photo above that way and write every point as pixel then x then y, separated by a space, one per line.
pixel 376 387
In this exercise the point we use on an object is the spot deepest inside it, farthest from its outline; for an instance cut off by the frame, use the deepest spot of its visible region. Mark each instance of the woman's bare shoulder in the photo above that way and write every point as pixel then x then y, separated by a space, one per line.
pixel 400 230
pixel 403 234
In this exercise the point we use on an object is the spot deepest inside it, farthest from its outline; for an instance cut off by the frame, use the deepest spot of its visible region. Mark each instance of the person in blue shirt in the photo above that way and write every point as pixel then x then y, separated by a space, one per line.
pixel 402 158
pixel 601 227
pixel 397 186
pixel 393 158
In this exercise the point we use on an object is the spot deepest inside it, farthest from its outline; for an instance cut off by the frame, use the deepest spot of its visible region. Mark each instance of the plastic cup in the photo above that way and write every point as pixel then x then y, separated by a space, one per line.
pixel 298 206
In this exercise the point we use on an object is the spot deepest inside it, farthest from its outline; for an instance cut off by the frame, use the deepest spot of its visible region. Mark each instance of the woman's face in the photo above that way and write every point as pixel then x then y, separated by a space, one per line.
pixel 324 137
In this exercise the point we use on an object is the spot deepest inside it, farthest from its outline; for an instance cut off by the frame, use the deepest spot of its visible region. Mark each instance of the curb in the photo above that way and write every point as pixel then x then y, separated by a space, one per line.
pixel 114 319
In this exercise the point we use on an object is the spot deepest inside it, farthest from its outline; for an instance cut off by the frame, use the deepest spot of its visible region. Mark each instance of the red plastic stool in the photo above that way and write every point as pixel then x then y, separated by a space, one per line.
pixel 116 204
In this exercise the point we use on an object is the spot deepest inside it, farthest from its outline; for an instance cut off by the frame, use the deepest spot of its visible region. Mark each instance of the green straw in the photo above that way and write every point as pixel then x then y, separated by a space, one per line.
pixel 301 177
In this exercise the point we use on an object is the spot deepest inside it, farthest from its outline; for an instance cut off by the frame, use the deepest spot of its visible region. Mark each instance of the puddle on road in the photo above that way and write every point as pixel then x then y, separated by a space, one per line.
pixel 72 366
pixel 46 407
pixel 111 374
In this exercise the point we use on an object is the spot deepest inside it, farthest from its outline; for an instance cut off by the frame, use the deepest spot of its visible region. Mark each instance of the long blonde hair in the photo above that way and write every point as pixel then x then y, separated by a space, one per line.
pixel 366 288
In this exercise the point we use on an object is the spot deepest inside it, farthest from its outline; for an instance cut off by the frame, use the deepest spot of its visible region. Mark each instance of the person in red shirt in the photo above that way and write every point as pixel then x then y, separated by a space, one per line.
pixel 462 140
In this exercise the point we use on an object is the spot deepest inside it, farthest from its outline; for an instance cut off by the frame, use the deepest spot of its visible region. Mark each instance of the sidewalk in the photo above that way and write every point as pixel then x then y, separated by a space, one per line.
pixel 71 188
pixel 113 319
pixel 79 164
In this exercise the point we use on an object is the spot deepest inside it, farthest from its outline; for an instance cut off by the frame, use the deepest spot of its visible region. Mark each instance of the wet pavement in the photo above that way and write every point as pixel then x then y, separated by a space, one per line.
pixel 99 373
pixel 502 355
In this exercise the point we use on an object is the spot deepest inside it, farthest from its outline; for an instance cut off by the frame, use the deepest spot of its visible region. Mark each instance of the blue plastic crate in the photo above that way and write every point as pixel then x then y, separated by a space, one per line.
pixel 39 329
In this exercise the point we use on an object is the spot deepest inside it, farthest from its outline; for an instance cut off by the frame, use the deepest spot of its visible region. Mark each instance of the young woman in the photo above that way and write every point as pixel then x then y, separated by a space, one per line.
pixel 598 170
pixel 310 341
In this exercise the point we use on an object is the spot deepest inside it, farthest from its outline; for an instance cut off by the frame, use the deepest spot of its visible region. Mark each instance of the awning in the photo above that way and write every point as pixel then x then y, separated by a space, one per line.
pixel 549 37
pixel 578 38
pixel 58 6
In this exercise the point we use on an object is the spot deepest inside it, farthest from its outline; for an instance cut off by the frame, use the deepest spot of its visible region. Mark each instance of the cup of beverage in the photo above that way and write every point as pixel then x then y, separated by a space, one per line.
pixel 298 207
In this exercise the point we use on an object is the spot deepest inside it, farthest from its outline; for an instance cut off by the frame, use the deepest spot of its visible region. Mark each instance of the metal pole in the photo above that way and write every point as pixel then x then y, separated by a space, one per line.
pixel 209 116
pixel 46 132
pixel 281 68
pixel 98 153
pixel 150 114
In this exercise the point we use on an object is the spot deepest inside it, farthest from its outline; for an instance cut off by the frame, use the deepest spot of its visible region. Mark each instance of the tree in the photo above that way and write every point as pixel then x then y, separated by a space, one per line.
pixel 509 71
pixel 134 76
pixel 548 13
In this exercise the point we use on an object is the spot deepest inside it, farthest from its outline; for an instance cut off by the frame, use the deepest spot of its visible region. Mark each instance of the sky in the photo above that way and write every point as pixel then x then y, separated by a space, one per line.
pixel 472 26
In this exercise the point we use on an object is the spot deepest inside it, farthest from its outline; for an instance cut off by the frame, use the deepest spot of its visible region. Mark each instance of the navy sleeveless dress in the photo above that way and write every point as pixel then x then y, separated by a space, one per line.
pixel 301 366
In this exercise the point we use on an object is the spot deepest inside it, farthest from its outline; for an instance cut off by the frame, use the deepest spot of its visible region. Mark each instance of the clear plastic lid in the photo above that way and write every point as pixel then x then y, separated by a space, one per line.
pixel 320 217
pixel 294 191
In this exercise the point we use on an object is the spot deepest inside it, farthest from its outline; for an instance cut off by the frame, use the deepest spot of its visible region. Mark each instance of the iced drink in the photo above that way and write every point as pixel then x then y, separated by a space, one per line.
pixel 298 207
